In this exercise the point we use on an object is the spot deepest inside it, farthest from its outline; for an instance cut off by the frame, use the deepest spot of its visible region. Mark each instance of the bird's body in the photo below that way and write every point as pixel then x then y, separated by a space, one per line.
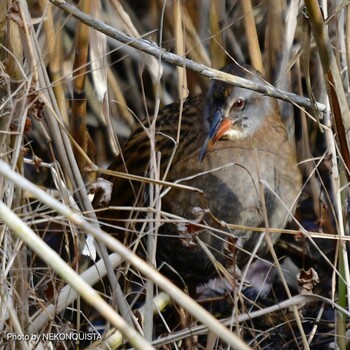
pixel 248 171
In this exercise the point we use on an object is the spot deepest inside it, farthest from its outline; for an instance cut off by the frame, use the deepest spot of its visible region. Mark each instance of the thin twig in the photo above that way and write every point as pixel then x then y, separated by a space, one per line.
pixel 169 57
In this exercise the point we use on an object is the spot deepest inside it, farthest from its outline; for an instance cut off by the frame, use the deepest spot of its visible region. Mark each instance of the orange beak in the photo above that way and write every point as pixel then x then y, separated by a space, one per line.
pixel 218 128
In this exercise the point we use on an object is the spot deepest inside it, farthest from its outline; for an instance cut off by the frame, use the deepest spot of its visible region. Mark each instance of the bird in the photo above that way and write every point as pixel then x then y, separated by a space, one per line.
pixel 227 167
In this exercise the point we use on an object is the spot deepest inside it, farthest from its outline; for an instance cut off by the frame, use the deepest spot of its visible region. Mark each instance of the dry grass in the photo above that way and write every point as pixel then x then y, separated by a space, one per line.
pixel 69 97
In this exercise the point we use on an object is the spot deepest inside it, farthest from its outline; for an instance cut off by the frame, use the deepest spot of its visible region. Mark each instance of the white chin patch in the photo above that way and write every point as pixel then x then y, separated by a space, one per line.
pixel 233 134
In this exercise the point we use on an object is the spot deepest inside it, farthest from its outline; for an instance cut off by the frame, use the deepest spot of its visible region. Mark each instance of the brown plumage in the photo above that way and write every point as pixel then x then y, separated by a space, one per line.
pixel 234 147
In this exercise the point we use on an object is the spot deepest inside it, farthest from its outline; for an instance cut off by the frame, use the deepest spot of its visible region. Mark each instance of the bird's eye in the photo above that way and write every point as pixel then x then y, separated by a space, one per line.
pixel 239 103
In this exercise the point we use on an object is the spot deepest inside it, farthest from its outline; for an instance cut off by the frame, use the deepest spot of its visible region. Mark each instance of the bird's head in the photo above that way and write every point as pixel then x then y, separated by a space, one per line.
pixel 232 112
